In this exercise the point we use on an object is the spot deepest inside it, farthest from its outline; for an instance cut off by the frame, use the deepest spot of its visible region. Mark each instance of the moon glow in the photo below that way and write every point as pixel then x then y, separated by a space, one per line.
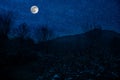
pixel 34 9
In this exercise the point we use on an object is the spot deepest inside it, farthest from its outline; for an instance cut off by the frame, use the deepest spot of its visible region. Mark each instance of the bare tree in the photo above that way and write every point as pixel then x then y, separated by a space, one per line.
pixel 22 36
pixel 5 24
pixel 22 30
pixel 37 33
pixel 44 33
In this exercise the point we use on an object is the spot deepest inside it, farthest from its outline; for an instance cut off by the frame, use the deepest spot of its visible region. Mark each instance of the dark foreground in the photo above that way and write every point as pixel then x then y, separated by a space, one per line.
pixel 94 55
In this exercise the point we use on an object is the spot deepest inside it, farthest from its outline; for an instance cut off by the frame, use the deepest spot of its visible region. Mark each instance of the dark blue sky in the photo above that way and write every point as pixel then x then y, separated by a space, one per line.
pixel 66 16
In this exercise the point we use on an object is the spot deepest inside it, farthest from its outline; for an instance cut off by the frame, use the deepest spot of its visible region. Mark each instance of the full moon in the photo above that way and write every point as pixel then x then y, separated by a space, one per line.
pixel 34 9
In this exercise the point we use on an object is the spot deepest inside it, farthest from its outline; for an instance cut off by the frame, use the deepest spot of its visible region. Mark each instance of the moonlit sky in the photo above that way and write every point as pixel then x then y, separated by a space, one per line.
pixel 66 17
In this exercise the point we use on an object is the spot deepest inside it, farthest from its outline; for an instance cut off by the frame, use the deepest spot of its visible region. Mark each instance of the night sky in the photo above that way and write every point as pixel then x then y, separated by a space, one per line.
pixel 66 17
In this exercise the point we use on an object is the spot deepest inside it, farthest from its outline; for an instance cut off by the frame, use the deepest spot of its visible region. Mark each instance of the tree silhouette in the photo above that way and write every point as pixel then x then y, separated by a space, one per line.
pixel 43 33
pixel 22 30
pixel 22 37
pixel 5 24
pixel 6 20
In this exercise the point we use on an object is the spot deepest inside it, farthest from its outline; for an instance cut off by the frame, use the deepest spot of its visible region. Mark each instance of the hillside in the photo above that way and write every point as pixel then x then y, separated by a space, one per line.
pixel 75 43
pixel 94 55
